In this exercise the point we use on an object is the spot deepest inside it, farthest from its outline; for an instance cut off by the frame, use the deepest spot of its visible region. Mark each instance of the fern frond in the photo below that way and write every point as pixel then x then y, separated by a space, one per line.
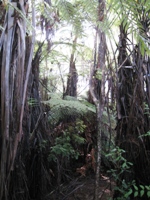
pixel 62 109
pixel 68 107
pixel 133 15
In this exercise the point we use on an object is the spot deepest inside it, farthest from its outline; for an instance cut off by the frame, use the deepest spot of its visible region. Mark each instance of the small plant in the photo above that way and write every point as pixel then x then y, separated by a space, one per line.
pixel 65 144
pixel 121 165
pixel 63 148
pixel 144 135
pixel 33 102
pixel 146 110
pixel 141 190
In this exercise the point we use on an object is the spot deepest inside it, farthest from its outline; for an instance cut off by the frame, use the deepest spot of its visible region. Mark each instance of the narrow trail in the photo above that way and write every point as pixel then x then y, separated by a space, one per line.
pixel 82 188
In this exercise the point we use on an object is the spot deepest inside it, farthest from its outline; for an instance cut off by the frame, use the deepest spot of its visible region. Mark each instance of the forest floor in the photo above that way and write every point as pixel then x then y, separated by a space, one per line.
pixel 82 188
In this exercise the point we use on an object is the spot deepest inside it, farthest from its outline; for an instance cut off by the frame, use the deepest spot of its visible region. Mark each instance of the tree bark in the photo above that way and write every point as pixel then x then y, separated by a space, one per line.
pixel 132 120
pixel 72 80
pixel 16 61
pixel 97 91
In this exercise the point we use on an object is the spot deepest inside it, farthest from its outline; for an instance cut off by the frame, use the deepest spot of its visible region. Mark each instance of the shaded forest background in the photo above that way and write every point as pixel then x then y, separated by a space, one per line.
pixel 74 97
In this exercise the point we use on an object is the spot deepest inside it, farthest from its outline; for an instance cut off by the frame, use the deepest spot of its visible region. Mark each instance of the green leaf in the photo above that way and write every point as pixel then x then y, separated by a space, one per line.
pixel 129 163
pixel 147 187
pixel 142 187
pixel 148 193
pixel 124 165
pixel 135 187
pixel 128 193
pixel 136 193
pixel 142 193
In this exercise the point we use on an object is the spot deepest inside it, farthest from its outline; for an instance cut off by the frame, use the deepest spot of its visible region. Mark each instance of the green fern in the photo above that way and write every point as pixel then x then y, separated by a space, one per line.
pixel 132 14
pixel 68 107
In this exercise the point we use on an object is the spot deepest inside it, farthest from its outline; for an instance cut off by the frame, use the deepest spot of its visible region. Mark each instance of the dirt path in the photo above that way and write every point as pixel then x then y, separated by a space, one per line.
pixel 82 188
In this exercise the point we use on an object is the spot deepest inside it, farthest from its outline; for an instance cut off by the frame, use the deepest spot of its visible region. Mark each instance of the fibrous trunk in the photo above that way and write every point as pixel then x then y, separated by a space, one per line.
pixel 132 119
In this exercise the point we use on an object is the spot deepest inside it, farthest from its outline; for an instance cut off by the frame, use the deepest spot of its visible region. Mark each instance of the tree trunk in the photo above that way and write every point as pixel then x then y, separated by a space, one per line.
pixel 97 91
pixel 71 89
pixel 13 51
pixel 132 120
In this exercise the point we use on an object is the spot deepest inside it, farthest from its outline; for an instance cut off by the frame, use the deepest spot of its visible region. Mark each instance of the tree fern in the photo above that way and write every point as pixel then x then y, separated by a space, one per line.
pixel 133 15
pixel 60 109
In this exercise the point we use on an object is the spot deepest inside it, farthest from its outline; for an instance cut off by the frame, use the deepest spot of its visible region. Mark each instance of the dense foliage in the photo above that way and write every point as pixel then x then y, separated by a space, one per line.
pixel 74 96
